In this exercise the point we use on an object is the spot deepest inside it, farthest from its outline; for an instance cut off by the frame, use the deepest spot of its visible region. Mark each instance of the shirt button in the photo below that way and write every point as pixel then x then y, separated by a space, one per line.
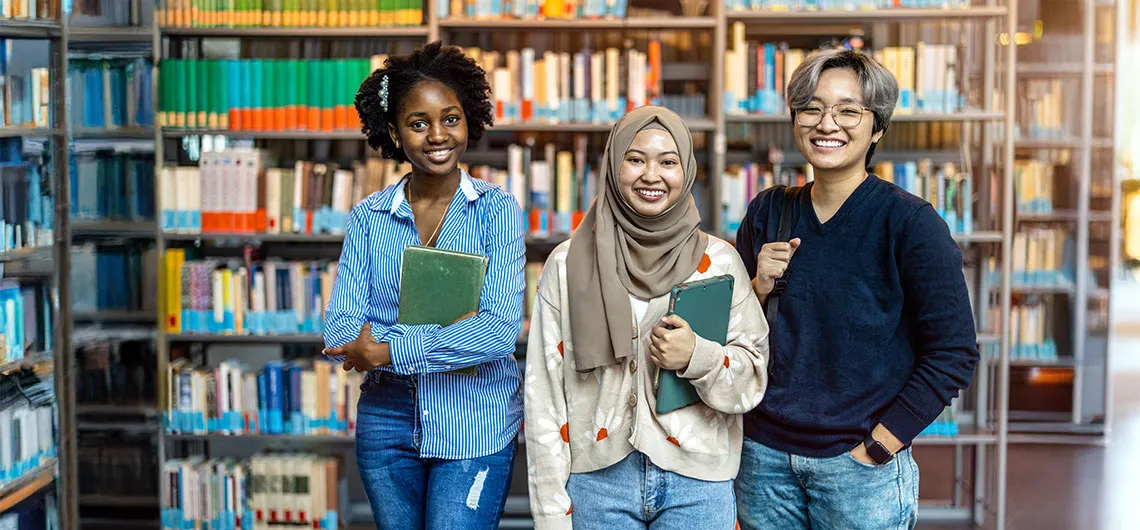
pixel 634 332
pixel 633 400
pixel 425 413
pixel 633 366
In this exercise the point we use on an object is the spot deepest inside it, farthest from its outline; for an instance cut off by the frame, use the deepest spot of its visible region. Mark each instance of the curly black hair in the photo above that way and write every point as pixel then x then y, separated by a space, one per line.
pixel 447 65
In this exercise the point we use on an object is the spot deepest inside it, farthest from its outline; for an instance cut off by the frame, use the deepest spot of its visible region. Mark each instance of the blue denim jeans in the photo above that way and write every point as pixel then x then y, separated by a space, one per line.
pixel 413 493
pixel 634 493
pixel 781 491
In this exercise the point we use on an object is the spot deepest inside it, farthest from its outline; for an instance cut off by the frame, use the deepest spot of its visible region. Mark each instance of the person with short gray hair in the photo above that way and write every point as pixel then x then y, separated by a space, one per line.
pixel 870 326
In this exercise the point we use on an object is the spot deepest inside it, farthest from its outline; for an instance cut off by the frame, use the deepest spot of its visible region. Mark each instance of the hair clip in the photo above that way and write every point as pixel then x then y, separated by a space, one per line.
pixel 384 92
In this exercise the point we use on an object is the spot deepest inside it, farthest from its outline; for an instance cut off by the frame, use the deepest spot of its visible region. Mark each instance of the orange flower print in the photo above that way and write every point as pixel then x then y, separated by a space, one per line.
pixel 606 423
pixel 678 433
pixel 704 265
pixel 726 375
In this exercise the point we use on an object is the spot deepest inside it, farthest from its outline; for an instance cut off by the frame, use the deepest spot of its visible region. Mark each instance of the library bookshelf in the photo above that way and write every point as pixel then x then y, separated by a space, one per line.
pixel 982 416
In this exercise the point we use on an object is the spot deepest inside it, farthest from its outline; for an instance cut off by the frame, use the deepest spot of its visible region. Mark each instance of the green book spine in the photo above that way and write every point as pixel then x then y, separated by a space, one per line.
pixel 255 99
pixel 415 12
pixel 387 11
pixel 191 93
pixel 329 92
pixel 300 82
pixel 245 112
pixel 315 67
pixel 281 93
pixel 291 82
pixel 180 80
pixel 222 90
pixel 269 93
pixel 202 93
pixel 163 103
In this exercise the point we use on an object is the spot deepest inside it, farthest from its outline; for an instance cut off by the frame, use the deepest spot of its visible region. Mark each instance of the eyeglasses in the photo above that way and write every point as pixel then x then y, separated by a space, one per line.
pixel 846 115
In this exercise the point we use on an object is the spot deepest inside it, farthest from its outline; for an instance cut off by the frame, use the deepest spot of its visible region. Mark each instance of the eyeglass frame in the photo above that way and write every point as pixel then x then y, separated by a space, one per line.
pixel 862 110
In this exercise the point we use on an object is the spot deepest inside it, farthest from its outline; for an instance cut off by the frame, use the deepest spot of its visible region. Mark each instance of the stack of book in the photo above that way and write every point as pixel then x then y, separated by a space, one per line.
pixel 588 86
pixel 739 184
pixel 305 397
pixel 29 9
pixel 757 74
pixel 234 297
pixel 945 187
pixel 111 93
pixel 262 94
pixel 25 320
pixel 24 94
pixel 1034 186
pixel 239 191
pixel 110 185
pixel 27 425
pixel 531 9
pixel 290 13
pixel 112 279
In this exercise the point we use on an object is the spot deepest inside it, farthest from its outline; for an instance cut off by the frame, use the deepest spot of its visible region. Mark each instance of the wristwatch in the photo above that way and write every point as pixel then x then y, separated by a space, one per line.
pixel 877 451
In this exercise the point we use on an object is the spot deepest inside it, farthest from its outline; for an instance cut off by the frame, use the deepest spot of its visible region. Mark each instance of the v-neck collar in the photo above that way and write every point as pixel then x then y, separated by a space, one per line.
pixel 861 192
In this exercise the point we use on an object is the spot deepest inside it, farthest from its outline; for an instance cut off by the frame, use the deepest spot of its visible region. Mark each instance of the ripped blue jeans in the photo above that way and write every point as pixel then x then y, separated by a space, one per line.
pixel 406 491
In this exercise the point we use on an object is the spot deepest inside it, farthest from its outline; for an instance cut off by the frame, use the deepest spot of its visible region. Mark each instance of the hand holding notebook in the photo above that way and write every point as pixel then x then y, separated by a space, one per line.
pixel 704 305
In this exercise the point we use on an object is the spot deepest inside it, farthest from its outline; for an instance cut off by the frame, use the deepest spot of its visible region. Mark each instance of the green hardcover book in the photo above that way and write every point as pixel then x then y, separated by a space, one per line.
pixel 180 81
pixel 191 93
pixel 162 106
pixel 705 305
pixel 439 286
pixel 316 70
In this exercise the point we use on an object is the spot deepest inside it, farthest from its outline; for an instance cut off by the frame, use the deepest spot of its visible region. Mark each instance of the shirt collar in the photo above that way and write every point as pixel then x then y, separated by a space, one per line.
pixel 393 198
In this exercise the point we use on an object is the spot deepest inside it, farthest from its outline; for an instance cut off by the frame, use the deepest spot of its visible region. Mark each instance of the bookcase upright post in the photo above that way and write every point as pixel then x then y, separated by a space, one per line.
pixel 162 360
pixel 68 489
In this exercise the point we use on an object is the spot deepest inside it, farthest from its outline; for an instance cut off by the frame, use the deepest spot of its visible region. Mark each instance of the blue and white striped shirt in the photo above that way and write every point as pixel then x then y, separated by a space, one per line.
pixel 461 416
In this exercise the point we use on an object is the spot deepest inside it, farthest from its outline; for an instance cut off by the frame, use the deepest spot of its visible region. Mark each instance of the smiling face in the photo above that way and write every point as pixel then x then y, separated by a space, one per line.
pixel 431 129
pixel 651 177
pixel 827 146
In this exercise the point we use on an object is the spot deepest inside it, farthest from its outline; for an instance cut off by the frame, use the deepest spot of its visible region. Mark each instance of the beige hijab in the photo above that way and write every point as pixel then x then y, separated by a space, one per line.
pixel 616 252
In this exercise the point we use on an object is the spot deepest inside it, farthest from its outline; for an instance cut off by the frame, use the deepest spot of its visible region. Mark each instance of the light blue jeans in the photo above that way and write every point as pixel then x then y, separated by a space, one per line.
pixel 634 493
pixel 781 491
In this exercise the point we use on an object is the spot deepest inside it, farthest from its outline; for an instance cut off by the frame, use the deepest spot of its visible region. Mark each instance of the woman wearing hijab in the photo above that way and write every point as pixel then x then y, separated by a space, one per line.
pixel 599 335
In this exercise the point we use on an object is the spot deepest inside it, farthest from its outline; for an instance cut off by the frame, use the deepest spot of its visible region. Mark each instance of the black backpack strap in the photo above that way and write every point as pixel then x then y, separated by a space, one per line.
pixel 783 233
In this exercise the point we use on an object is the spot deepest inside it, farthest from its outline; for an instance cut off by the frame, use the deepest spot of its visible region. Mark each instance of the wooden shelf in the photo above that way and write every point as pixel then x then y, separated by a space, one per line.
pixel 109 34
pixel 299 33
pixel 33 132
pixel 647 23
pixel 295 438
pixel 867 16
pixel 88 133
pixel 967 435
pixel 122 229
pixel 116 316
pixel 1061 143
pixel 31 483
pixel 1060 69
pixel 26 254
pixel 247 339
pixel 29 29
pixel 978 237
pixel 1063 215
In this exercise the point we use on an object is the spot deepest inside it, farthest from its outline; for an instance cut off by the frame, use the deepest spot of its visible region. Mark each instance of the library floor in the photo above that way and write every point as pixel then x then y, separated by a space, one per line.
pixel 1079 487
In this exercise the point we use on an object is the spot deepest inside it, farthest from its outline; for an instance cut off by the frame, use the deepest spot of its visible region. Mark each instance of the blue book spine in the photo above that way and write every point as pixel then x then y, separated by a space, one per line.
pixel 263 403
pixel 276 397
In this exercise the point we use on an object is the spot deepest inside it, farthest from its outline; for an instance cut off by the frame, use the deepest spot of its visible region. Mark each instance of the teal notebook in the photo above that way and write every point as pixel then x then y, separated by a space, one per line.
pixel 705 305
pixel 439 287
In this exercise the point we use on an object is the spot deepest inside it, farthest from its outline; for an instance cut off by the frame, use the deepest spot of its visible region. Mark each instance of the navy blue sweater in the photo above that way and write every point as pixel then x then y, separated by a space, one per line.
pixel 875 324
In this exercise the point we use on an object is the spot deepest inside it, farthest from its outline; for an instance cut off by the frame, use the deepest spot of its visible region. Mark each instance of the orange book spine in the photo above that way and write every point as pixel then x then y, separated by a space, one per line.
pixel 279 119
pixel 314 119
pixel 328 119
pixel 235 119
pixel 341 118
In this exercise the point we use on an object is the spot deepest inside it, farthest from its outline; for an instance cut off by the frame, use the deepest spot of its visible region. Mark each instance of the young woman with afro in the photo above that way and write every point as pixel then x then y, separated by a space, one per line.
pixel 441 406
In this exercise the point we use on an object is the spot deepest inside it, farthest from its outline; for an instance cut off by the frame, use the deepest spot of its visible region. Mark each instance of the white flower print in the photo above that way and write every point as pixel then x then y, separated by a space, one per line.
pixel 561 501
pixel 606 423
pixel 553 434
pixel 679 434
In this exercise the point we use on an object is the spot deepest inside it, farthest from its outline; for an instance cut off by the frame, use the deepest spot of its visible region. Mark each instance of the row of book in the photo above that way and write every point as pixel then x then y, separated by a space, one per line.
pixel 112 278
pixel 111 93
pixel 303 397
pixel 757 75
pixel 111 13
pixel 1033 181
pixel 25 320
pixel 238 191
pixel 107 185
pixel 1041 257
pixel 27 425
pixel 261 94
pixel 117 464
pixel 944 187
pixel 29 9
pixel 265 491
pixel 838 5
pixel 530 9
pixel 290 13
pixel 24 96
pixel 26 209
pixel 116 372
pixel 245 297
pixel 1041 105
pixel 587 86
pixel 740 183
